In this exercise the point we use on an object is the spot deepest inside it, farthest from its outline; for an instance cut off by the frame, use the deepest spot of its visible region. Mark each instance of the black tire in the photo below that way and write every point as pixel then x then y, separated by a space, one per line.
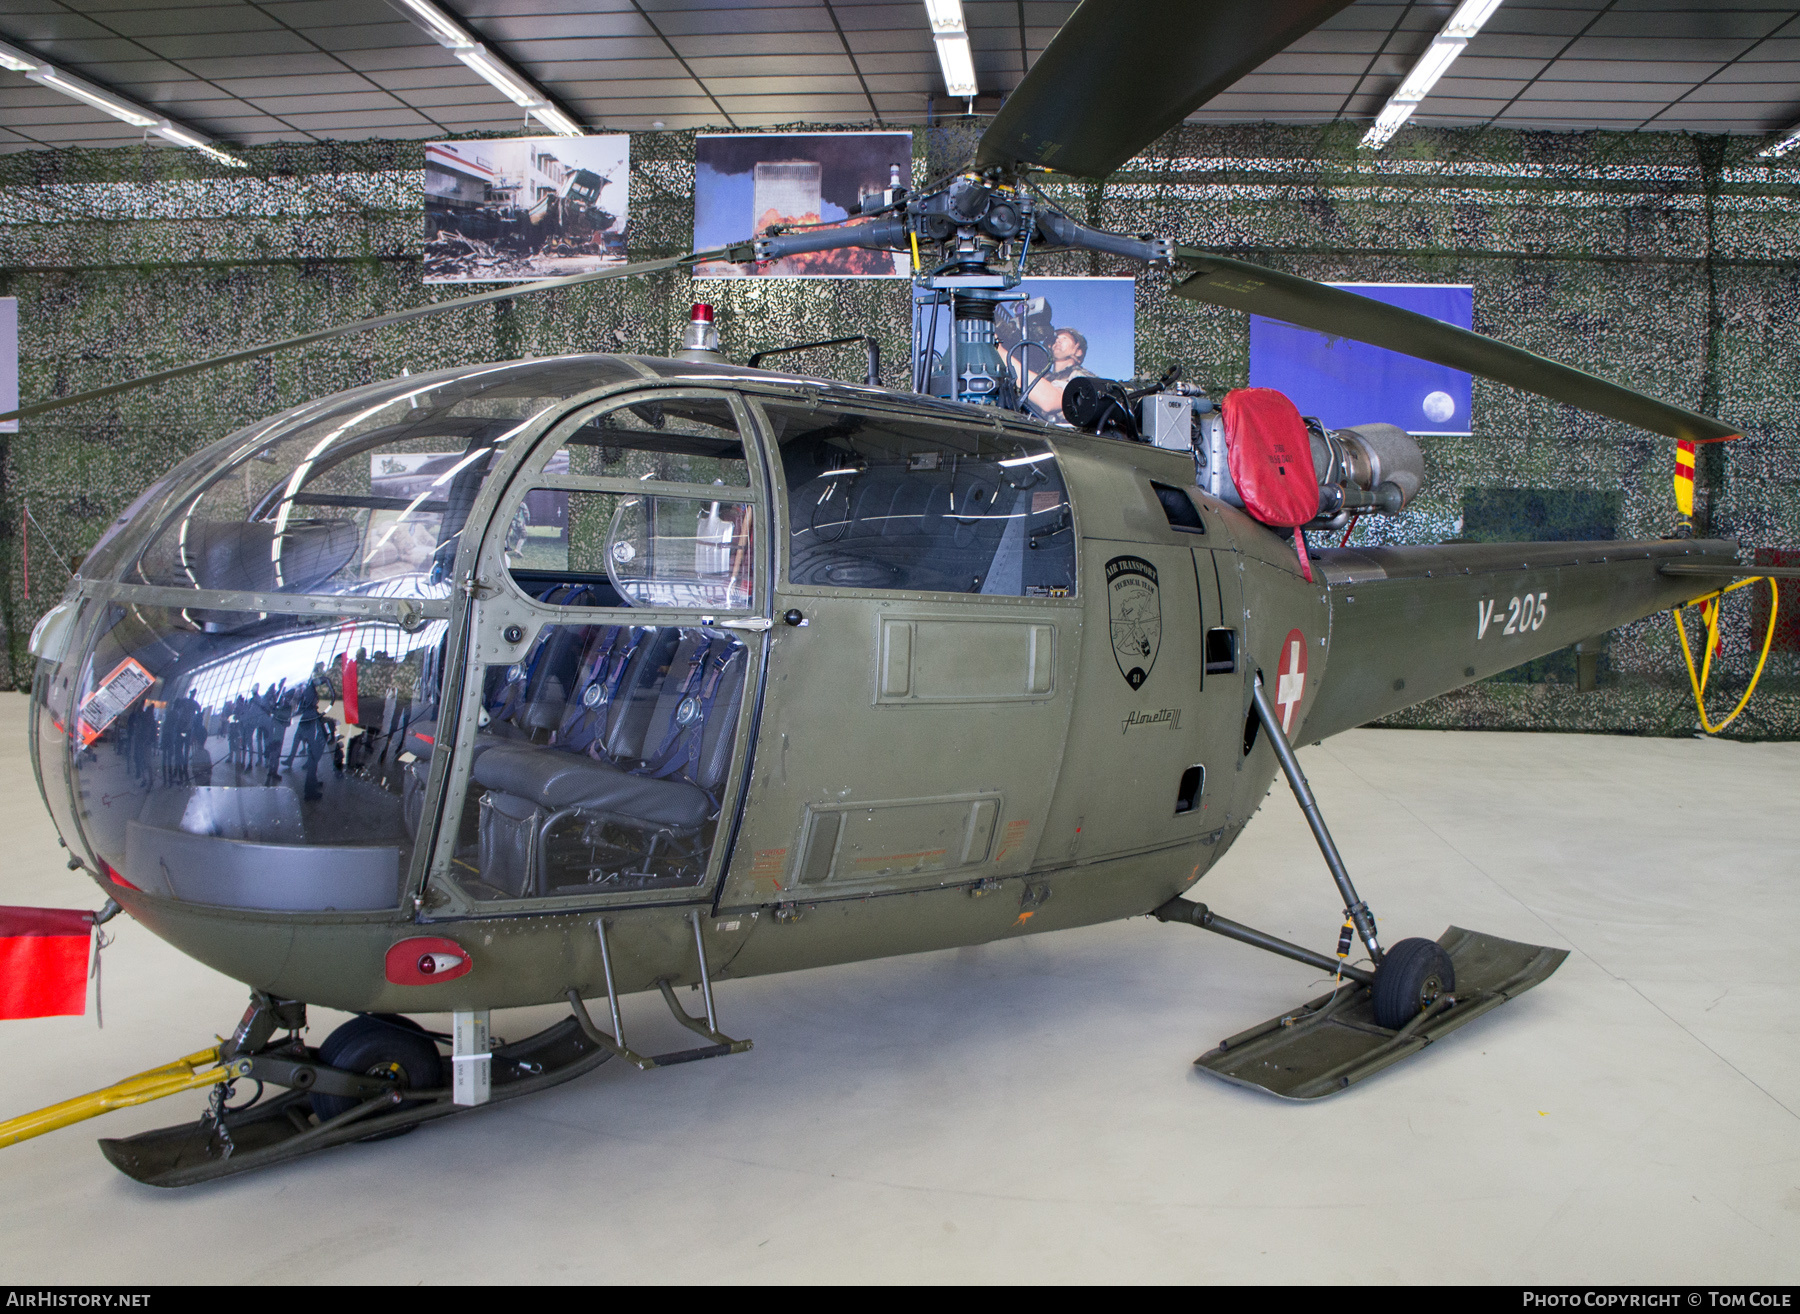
pixel 379 1044
pixel 1412 975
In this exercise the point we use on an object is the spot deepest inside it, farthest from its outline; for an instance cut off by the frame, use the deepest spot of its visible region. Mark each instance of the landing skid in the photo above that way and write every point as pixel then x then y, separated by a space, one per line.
pixel 1421 992
pixel 281 1129
pixel 357 1106
pixel 1333 1042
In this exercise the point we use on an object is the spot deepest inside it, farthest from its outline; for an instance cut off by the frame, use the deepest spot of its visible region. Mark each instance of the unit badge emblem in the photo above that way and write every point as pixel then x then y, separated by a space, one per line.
pixel 1134 604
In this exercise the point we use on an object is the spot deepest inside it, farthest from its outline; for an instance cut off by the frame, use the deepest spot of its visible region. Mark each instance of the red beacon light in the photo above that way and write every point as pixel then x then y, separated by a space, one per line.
pixel 700 339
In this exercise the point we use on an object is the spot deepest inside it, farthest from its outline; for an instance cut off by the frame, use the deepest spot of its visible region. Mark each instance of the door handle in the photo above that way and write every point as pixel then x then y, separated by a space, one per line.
pixel 755 624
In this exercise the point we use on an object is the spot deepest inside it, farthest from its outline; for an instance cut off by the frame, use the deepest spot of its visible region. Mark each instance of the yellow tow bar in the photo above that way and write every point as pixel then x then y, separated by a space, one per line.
pixel 170 1079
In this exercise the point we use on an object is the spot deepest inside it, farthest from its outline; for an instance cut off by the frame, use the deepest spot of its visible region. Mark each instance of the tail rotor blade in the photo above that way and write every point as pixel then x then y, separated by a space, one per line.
pixel 380 321
pixel 1221 281
pixel 1121 73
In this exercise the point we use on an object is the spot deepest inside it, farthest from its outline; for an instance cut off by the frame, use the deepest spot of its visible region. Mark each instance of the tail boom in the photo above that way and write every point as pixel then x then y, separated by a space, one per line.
pixel 1409 623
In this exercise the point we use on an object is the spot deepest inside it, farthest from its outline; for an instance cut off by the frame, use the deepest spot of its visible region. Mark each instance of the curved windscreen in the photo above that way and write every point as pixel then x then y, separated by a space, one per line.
pixel 247 759
pixel 368 492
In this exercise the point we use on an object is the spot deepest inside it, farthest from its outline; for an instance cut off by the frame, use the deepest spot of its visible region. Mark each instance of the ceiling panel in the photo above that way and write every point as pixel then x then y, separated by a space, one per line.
pixel 260 70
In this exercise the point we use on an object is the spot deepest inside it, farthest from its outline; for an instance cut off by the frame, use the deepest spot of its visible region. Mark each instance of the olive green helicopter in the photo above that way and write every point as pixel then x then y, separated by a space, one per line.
pixel 655 673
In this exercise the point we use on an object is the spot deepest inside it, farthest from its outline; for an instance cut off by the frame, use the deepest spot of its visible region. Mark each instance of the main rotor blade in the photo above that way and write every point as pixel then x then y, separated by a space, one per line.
pixel 380 321
pixel 1221 281
pixel 1121 73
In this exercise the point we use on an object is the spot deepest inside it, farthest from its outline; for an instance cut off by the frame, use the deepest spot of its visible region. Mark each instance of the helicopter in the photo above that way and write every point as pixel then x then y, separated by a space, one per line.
pixel 662 672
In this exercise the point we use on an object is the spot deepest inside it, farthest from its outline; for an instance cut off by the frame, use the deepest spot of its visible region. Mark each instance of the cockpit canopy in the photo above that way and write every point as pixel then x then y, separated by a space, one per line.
pixel 364 492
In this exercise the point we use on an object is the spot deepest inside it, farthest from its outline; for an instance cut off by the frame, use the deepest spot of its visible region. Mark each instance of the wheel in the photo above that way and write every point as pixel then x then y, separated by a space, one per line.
pixel 1412 975
pixel 378 1045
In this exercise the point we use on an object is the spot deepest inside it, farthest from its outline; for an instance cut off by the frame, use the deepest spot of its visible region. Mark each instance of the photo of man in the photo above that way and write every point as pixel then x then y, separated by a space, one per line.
pixel 1068 351
pixel 1061 329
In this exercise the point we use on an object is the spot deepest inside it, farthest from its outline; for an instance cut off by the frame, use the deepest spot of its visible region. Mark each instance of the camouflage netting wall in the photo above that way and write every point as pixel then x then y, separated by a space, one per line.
pixel 1665 261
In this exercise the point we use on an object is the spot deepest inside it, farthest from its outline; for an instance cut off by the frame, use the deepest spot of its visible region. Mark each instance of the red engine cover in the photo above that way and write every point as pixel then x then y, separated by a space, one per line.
pixel 1270 456
pixel 421 961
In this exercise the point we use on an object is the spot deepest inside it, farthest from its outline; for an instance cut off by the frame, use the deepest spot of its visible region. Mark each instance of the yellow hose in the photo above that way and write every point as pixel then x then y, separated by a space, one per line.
pixel 1698 682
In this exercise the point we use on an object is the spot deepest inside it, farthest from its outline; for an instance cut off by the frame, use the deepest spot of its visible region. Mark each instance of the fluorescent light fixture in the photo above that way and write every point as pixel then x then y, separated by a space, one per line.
pixel 445 30
pixel 1781 147
pixel 957 63
pixel 117 106
pixel 951 34
pixel 945 15
pixel 1431 66
pixel 1025 460
pixel 508 83
pixel 555 120
pixel 1387 123
pixel 15 60
pixel 119 109
pixel 1468 19
pixel 182 137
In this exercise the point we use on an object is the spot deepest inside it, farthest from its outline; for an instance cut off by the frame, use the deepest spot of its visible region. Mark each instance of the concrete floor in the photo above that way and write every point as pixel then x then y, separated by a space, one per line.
pixel 1027 1112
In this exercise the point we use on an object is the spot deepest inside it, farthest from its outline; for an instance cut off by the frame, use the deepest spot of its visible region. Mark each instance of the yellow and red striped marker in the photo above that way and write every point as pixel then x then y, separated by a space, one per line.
pixel 1684 478
pixel 1684 503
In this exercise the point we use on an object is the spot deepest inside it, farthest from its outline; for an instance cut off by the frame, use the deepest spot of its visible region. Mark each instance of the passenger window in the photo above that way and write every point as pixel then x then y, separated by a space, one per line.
pixel 884 502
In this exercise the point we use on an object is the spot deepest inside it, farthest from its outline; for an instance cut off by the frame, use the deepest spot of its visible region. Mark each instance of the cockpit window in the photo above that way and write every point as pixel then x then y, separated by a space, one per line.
pixel 885 502
pixel 681 440
pixel 643 502
pixel 367 493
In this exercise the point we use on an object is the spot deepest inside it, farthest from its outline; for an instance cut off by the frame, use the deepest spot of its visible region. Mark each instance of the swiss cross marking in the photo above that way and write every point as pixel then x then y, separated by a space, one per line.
pixel 1290 685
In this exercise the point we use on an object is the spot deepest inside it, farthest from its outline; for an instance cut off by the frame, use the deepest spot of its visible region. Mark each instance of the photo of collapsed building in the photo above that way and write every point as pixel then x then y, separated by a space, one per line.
pixel 530 207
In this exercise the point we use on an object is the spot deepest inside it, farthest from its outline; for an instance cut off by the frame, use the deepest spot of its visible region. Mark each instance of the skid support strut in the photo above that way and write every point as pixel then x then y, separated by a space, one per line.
pixel 1198 914
pixel 1354 908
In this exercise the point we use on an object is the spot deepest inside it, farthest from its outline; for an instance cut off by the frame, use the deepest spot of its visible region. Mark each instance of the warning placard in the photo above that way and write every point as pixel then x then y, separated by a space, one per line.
pixel 122 687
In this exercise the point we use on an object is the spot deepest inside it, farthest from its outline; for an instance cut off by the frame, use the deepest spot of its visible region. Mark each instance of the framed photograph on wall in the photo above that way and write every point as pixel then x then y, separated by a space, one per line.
pixel 1063 327
pixel 1344 382
pixel 745 181
pixel 520 208
pixel 9 361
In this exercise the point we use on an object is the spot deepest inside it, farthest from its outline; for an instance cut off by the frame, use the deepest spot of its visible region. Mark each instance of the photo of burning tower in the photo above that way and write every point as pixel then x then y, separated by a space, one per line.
pixel 746 182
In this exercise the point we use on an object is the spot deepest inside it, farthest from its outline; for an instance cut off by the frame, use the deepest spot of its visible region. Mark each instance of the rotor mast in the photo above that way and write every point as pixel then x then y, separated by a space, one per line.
pixel 981 225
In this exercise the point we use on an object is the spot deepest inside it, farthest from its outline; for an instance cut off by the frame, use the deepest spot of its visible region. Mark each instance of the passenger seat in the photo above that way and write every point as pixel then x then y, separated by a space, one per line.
pixel 672 740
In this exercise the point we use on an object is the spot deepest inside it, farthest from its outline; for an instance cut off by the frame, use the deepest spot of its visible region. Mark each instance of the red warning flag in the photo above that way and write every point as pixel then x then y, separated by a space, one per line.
pixel 44 961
